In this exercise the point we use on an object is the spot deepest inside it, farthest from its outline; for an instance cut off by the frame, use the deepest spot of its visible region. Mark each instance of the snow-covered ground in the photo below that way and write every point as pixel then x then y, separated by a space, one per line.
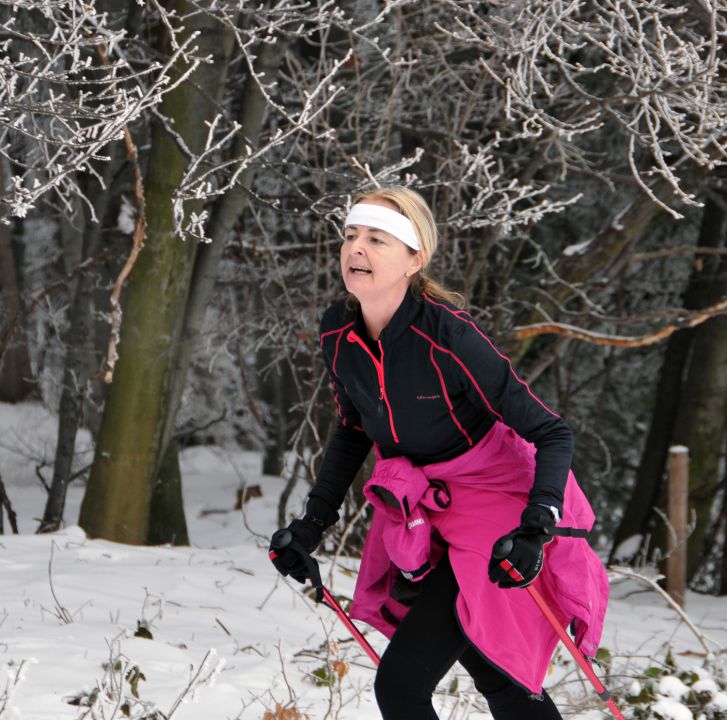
pixel 210 631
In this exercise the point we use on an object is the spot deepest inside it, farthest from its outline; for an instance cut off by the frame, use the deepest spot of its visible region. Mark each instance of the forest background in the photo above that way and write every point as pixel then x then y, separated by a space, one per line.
pixel 174 176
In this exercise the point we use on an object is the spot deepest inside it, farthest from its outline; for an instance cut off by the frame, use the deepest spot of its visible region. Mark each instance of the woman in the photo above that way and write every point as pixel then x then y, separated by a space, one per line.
pixel 465 453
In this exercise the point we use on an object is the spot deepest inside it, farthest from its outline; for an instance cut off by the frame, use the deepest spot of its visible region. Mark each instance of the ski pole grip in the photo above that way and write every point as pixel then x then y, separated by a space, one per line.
pixel 281 539
pixel 502 548
pixel 284 539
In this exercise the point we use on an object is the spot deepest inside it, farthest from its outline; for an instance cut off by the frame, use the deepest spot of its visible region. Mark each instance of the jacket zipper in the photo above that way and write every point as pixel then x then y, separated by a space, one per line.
pixel 383 398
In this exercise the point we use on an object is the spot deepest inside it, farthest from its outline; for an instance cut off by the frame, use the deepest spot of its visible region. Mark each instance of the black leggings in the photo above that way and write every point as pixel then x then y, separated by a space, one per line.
pixel 426 645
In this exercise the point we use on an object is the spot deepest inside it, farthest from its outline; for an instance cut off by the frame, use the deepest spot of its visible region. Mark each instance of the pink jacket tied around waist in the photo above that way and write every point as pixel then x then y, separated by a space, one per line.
pixel 486 490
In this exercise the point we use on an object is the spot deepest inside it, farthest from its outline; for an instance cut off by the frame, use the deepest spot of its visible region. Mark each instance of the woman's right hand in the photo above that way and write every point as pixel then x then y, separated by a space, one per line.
pixel 288 560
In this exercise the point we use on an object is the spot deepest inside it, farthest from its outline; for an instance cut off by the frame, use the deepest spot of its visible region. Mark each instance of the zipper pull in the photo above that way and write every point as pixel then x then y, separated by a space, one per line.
pixel 380 408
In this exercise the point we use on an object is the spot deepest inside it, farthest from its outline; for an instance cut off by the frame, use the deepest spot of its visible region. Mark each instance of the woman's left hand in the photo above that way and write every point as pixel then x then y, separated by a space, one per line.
pixel 526 555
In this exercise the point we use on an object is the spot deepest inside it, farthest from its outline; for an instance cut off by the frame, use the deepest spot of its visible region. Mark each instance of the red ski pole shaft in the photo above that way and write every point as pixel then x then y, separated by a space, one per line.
pixel 584 665
pixel 284 539
pixel 360 639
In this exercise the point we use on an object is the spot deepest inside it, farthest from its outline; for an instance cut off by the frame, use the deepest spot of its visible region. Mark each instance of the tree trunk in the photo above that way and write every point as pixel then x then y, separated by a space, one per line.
pixel 702 418
pixel 16 377
pixel 169 525
pixel 225 214
pixel 79 344
pixel 722 520
pixel 670 398
pixel 129 451
pixel 274 391
pixel 645 494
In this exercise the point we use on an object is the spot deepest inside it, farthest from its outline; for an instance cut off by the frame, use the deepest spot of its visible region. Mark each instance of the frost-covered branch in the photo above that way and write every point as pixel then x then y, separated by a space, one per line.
pixel 655 70
pixel 66 93
pixel 576 333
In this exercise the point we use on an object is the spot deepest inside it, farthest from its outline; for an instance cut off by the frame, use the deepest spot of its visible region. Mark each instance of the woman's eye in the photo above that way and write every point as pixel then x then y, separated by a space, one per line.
pixel 376 241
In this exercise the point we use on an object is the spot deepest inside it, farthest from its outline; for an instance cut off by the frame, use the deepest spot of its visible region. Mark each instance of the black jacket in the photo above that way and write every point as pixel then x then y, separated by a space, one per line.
pixel 429 389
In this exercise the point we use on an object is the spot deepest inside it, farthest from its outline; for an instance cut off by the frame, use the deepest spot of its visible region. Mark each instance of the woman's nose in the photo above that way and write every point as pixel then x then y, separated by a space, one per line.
pixel 357 245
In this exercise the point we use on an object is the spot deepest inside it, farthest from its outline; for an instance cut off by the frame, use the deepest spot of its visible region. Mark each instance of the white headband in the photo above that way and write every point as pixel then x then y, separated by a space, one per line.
pixel 386 219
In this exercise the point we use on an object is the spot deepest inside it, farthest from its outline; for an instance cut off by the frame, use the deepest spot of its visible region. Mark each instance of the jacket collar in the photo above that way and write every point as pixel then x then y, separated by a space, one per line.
pixel 400 321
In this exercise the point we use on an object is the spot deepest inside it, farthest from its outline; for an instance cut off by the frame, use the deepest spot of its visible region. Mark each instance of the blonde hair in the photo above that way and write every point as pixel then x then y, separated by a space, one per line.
pixel 414 206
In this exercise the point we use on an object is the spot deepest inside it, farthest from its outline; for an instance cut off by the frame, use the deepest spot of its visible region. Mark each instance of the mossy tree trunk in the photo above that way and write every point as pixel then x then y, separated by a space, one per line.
pixel 130 445
pixel 225 213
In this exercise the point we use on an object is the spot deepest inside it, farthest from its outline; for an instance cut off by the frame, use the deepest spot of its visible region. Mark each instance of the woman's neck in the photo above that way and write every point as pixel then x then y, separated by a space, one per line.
pixel 377 312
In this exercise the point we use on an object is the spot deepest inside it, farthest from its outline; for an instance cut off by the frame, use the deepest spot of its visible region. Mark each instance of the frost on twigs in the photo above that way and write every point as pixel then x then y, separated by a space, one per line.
pixel 67 90
pixel 654 71
pixel 121 689
pixel 12 673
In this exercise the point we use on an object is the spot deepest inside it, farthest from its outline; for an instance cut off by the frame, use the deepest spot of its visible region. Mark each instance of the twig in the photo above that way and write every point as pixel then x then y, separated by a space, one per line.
pixel 16 322
pixel 291 693
pixel 287 491
pixel 5 501
pixel 344 536
pixel 681 250
pixel 40 477
pixel 184 435
pixel 139 232
pixel 703 639
pixel 220 623
pixel 61 612
pixel 194 680
pixel 9 687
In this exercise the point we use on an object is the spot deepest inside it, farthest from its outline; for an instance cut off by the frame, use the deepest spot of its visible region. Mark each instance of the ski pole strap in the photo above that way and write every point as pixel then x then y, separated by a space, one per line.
pixel 567 532
pixel 503 547
pixel 312 566
pixel 550 531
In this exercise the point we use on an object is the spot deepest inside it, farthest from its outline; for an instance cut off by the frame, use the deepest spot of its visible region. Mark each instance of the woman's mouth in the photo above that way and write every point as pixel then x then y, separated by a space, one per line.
pixel 360 270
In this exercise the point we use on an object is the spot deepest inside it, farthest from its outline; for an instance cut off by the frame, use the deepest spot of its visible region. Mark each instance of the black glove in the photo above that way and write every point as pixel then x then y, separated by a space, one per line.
pixel 526 556
pixel 308 531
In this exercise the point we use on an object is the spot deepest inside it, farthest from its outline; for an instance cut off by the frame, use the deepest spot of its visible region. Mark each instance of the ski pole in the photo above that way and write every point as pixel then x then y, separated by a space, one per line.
pixel 501 550
pixel 283 539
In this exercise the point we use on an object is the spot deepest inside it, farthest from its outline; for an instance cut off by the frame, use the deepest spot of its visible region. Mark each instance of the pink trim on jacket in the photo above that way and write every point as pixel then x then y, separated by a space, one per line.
pixel 336 330
pixel 464 369
pixel 472 323
pixel 333 367
pixel 353 337
pixel 446 396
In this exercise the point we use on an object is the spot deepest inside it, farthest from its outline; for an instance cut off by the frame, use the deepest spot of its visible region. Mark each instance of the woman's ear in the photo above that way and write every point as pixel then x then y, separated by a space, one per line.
pixel 416 263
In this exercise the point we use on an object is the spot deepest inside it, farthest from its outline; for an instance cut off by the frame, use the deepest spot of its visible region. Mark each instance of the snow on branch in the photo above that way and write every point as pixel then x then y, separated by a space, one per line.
pixel 66 92
pixel 653 70
pixel 199 182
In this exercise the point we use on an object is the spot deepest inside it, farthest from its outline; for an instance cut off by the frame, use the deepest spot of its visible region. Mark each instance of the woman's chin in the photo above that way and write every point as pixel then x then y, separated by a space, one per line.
pixel 355 288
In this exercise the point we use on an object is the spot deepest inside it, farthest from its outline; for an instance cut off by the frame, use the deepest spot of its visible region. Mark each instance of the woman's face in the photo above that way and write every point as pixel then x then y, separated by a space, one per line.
pixel 375 264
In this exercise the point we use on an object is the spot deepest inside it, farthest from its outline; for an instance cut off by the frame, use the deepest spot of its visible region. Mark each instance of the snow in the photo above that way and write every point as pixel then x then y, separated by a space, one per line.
pixel 719 702
pixel 672 687
pixel 229 637
pixel 707 685
pixel 576 249
pixel 126 222
pixel 670 709
pixel 627 548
